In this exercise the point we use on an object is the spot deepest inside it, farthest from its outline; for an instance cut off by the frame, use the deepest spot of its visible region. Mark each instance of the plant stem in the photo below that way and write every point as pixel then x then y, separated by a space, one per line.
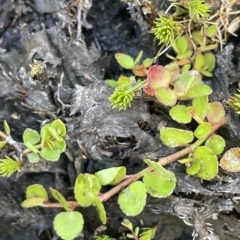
pixel 162 161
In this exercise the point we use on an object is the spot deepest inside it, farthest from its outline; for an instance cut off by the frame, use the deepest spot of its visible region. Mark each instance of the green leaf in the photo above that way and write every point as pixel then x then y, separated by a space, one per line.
pixel 211 31
pixel 208 161
pixel 111 83
pixel 194 168
pixel 166 96
pixel 215 112
pixel 133 199
pixel 31 147
pixel 54 134
pixel 36 190
pixel 184 82
pixel 180 114
pixel 31 136
pixel 111 176
pixel 33 157
pixel 199 91
pixel 147 62
pixel 173 137
pixel 138 58
pixel 199 62
pixel 59 197
pixel 173 67
pixel 197 37
pixel 33 202
pixel 50 154
pixel 160 185
pixel 216 143
pixel 182 44
pixel 185 55
pixel 87 186
pixel 202 130
pixel 100 209
pixel 200 106
pixel 59 127
pixel 230 161
pixel 209 61
pixel 60 145
pixel 124 60
pixel 2 144
pixel 148 233
pixel 68 224
pixel 6 128
pixel 123 80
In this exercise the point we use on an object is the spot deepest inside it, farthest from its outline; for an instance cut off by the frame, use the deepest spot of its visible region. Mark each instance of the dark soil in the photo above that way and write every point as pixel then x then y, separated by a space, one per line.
pixel 73 89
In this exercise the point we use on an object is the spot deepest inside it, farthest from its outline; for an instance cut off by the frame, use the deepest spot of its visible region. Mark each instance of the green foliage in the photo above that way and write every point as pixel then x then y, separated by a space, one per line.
pixel 49 144
pixel 146 233
pixel 111 176
pixel 133 198
pixel 166 29
pixel 68 224
pixel 103 237
pixel 173 137
pixel 8 166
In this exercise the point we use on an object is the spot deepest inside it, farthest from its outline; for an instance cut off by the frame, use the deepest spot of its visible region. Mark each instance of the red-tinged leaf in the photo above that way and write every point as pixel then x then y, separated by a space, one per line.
pixel 158 76
pixel 215 112
pixel 149 91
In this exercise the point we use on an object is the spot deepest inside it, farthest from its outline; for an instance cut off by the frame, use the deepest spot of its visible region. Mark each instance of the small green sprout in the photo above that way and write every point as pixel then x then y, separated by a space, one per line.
pixel 198 9
pixel 103 237
pixel 166 30
pixel 8 166
pixel 234 102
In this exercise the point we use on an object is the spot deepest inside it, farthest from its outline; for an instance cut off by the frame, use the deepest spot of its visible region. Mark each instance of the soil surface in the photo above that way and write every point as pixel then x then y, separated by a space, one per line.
pixel 76 61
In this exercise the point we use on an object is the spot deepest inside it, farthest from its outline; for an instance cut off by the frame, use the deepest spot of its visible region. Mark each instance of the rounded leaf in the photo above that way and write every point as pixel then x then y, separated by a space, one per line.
pixel 200 106
pixel 86 187
pixel 68 224
pixel 199 91
pixel 211 31
pixel 193 168
pixel 33 157
pixel 185 81
pixel 111 176
pixel 60 145
pixel 199 62
pixel 173 137
pixel 160 185
pixel 31 136
pixel 215 112
pixel 231 160
pixel 36 190
pixel 180 114
pixel 59 127
pixel 208 161
pixel 50 154
pixel 216 143
pixel 147 62
pixel 158 76
pixel 111 83
pixel 124 60
pixel 123 80
pixel 182 44
pixel 166 96
pixel 209 61
pixel 202 130
pixel 133 198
